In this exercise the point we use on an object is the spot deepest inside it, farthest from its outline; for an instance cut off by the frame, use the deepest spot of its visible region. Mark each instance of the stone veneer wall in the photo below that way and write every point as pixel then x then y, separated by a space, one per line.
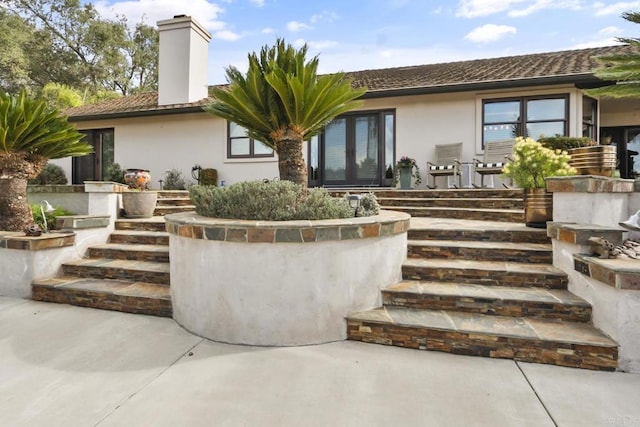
pixel 280 283
pixel 587 206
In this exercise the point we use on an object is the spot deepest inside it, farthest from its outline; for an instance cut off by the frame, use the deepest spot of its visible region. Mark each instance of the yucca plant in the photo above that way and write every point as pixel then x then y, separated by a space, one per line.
pixel 282 101
pixel 30 134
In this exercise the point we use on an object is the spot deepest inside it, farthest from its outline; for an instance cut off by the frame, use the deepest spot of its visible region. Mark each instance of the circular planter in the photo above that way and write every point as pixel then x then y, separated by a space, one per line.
pixel 280 283
pixel 538 207
pixel 139 204
pixel 599 160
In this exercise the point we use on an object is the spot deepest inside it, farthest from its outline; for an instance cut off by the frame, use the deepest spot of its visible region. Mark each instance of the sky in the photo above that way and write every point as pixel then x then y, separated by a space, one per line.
pixel 353 35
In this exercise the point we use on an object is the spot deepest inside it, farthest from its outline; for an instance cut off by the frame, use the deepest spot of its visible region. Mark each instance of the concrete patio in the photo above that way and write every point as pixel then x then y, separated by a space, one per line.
pixel 71 366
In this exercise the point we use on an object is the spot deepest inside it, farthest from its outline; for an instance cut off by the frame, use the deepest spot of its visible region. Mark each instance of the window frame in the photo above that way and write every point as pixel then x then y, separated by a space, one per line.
pixel 522 121
pixel 252 154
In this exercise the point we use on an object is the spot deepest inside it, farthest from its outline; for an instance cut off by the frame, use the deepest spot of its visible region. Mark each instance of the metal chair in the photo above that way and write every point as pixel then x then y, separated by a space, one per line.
pixel 447 163
pixel 496 155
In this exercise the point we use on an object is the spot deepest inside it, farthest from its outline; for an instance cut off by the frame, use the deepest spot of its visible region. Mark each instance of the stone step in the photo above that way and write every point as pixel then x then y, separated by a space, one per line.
pixel 166 210
pixel 509 193
pixel 171 194
pixel 537 253
pixel 128 251
pixel 104 268
pixel 117 295
pixel 473 230
pixel 502 301
pixel 500 215
pixel 140 237
pixel 527 339
pixel 491 273
pixel 174 201
pixel 459 202
pixel 149 224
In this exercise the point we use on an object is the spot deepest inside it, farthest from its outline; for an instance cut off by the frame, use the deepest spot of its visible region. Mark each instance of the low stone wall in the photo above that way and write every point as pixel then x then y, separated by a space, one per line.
pixel 280 283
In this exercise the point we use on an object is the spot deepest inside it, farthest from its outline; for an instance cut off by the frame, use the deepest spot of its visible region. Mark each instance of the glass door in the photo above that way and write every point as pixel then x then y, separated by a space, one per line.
pixel 92 167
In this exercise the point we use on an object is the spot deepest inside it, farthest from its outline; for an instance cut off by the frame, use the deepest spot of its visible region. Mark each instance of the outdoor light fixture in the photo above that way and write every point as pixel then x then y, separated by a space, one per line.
pixel 633 223
pixel 45 207
pixel 354 202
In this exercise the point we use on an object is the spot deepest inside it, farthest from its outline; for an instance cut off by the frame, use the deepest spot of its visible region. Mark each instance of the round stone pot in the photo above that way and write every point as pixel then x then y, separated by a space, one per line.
pixel 538 207
pixel 139 204
pixel 281 283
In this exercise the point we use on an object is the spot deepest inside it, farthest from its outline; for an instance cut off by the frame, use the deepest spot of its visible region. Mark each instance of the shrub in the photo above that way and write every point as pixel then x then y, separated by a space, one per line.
pixel 173 180
pixel 51 175
pixel 114 173
pixel 272 201
pixel 565 142
pixel 51 216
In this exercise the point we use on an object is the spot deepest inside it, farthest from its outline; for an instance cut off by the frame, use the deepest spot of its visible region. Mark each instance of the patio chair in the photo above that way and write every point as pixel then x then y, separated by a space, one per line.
pixel 447 163
pixel 496 155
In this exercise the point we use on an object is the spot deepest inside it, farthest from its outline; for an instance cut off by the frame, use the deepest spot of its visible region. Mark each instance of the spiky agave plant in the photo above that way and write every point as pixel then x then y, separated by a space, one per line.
pixel 30 134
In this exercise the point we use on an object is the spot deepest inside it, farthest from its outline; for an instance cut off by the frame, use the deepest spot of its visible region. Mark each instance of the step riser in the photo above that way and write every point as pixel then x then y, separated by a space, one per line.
pixel 84 298
pixel 174 202
pixel 139 240
pixel 101 272
pixel 453 203
pixel 166 210
pixel 181 194
pixel 438 193
pixel 479 254
pixel 483 236
pixel 125 225
pixel 515 216
pixel 128 255
pixel 534 351
pixel 517 308
pixel 484 277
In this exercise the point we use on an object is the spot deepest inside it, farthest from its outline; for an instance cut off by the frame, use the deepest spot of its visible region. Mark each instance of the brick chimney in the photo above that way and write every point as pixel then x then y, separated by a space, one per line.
pixel 182 67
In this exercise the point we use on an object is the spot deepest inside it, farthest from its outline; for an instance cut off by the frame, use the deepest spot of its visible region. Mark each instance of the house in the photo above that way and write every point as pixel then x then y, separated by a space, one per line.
pixel 406 111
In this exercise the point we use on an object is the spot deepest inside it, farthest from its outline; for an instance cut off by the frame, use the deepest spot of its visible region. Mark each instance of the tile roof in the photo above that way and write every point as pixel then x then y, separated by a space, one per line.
pixel 522 70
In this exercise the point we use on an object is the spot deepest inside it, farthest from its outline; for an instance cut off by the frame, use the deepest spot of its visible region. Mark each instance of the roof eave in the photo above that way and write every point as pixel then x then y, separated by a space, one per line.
pixel 577 79
pixel 141 113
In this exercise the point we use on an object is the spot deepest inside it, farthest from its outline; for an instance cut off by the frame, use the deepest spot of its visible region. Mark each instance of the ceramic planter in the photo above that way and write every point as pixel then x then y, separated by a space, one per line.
pixel 597 160
pixel 538 207
pixel 405 178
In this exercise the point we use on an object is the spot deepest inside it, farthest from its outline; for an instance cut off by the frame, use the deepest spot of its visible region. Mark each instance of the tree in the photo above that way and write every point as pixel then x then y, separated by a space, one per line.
pixel 72 45
pixel 623 68
pixel 61 96
pixel 282 102
pixel 15 37
pixel 30 134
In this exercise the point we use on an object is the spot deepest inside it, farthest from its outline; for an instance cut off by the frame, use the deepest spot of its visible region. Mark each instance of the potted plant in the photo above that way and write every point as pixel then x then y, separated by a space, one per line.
pixel 532 163
pixel 138 202
pixel 586 156
pixel 406 170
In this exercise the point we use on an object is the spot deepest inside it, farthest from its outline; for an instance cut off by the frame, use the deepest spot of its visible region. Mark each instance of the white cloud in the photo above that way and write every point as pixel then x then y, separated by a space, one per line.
pixel 489 33
pixel 615 8
pixel 268 30
pixel 322 44
pixel 226 35
pixel 296 26
pixel 612 30
pixel 258 3
pixel 478 8
pixel 326 15
pixel 152 11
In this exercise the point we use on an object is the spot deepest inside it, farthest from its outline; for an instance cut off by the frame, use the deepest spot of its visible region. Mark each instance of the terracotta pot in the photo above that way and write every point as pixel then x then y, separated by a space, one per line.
pixel 139 204
pixel 538 207
pixel 597 160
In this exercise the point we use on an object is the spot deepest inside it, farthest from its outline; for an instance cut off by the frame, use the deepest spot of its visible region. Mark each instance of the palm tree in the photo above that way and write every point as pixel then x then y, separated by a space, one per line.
pixel 282 102
pixel 30 134
pixel 623 68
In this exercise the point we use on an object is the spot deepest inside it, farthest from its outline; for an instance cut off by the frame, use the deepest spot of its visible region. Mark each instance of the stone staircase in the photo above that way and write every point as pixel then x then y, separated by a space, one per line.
pixel 130 273
pixel 482 287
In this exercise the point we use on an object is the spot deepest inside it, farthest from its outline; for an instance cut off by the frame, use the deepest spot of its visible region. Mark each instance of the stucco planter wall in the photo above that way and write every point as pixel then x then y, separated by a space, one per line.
pixel 280 283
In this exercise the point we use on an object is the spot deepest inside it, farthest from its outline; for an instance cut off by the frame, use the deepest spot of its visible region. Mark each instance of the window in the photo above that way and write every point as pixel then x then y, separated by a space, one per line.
pixel 93 167
pixel 239 145
pixel 525 116
pixel 589 114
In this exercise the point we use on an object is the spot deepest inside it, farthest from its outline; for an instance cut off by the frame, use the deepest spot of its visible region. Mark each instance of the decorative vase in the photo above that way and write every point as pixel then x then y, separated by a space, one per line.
pixel 597 160
pixel 405 178
pixel 538 207
pixel 137 178
pixel 139 204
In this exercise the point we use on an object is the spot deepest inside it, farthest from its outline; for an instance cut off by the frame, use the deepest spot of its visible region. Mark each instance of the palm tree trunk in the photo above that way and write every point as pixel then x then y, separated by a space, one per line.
pixel 291 164
pixel 16 168
pixel 15 212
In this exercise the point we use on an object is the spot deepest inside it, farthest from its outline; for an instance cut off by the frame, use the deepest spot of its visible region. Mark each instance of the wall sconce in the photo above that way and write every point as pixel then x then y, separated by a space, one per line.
pixel 45 208
pixel 354 202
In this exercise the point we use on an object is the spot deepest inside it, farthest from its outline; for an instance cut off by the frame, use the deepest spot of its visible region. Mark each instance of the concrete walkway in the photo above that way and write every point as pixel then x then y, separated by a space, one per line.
pixel 70 366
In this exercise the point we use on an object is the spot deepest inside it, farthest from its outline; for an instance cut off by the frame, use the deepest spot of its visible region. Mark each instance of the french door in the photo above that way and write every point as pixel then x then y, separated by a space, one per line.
pixel 92 167
pixel 354 150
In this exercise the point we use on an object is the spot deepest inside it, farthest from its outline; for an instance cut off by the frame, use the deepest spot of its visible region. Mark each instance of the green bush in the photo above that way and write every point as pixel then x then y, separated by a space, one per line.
pixel 173 180
pixel 565 142
pixel 51 175
pixel 273 201
pixel 51 216
pixel 114 173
